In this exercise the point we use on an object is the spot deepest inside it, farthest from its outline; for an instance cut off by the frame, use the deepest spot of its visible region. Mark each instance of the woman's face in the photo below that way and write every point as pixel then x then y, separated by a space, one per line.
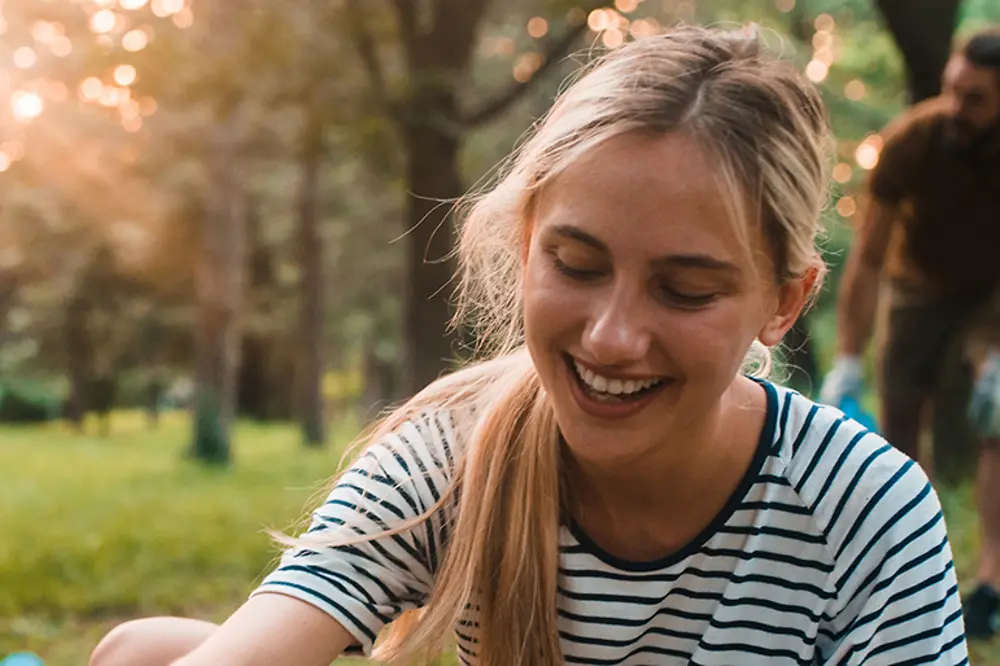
pixel 640 301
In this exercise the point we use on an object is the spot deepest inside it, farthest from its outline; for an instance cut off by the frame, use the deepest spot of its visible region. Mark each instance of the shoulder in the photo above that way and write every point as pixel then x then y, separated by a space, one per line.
pixel 862 492
pixel 832 458
pixel 412 458
pixel 916 126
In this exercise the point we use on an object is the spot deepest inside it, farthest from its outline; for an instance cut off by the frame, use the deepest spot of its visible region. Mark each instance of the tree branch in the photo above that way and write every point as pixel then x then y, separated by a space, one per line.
pixel 368 52
pixel 406 14
pixel 554 52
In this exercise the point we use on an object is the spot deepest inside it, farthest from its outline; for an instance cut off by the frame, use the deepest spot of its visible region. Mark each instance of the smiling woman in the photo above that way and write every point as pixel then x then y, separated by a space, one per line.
pixel 608 486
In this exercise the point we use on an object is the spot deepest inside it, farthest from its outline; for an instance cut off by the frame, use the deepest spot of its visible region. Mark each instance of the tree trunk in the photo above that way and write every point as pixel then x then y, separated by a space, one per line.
pixel 312 311
pixel 433 181
pixel 219 287
pixel 923 32
pixel 79 356
pixel 8 296
pixel 256 383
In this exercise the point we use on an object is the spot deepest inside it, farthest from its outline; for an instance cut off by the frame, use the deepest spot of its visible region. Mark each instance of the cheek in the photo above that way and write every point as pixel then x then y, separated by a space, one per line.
pixel 711 342
pixel 550 307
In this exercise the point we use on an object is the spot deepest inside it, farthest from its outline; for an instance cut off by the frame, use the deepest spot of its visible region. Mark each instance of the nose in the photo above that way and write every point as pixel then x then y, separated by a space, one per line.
pixel 617 332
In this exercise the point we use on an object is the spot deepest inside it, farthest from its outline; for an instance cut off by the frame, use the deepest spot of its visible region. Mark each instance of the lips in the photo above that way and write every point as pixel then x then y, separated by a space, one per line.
pixel 612 397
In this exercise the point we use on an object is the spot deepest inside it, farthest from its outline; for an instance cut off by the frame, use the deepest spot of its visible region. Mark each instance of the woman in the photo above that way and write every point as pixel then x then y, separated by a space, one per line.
pixel 608 487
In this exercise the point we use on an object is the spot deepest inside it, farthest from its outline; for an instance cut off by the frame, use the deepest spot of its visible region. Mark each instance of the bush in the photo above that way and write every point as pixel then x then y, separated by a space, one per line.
pixel 23 403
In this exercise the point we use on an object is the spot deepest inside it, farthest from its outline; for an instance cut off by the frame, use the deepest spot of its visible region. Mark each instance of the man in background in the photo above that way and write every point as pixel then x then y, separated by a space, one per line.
pixel 926 260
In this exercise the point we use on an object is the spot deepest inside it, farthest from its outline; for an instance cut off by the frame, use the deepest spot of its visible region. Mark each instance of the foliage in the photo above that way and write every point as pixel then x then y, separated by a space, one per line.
pixel 23 402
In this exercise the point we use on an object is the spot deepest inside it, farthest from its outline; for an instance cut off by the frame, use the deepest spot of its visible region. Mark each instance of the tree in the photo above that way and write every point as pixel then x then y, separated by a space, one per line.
pixel 923 31
pixel 311 297
pixel 222 243
pixel 436 43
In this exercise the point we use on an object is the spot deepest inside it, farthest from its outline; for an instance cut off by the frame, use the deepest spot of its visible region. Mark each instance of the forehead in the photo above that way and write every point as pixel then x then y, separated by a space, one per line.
pixel 649 193
pixel 963 74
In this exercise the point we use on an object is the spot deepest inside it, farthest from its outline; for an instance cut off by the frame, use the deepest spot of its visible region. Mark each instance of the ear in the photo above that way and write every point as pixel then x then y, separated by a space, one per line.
pixel 791 298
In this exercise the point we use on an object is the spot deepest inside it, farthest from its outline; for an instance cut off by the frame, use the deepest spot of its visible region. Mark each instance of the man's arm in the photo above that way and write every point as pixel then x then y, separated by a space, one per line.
pixel 857 302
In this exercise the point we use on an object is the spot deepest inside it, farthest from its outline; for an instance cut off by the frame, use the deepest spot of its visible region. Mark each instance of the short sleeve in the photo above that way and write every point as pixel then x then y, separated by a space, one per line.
pixel 368 584
pixel 898 599
pixel 903 150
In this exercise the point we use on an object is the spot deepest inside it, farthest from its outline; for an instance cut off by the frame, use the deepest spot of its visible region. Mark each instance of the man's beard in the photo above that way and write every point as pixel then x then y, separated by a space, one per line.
pixel 970 142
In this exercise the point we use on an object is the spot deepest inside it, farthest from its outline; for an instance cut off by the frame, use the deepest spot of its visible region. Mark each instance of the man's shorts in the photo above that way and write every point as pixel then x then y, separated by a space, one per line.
pixel 918 332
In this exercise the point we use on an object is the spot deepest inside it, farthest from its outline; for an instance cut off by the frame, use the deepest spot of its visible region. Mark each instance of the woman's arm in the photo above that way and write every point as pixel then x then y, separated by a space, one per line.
pixel 267 629
pixel 272 629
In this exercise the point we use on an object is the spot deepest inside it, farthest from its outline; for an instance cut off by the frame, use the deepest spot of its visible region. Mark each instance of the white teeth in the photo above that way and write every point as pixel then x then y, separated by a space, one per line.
pixel 613 386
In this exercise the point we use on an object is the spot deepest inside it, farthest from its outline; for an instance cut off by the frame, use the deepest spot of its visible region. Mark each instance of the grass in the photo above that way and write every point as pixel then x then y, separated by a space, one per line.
pixel 96 530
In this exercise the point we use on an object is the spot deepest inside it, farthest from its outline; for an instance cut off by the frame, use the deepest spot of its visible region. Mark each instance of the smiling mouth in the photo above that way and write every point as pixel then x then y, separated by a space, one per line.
pixel 613 391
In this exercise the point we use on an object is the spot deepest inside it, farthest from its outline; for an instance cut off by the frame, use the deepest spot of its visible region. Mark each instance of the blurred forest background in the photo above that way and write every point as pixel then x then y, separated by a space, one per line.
pixel 212 272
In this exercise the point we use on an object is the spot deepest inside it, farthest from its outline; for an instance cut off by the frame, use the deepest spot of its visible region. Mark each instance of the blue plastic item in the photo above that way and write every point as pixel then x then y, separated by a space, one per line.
pixel 852 408
pixel 22 659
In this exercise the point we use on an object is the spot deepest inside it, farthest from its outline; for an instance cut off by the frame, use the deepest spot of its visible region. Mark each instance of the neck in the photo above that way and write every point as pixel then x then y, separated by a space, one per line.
pixel 696 466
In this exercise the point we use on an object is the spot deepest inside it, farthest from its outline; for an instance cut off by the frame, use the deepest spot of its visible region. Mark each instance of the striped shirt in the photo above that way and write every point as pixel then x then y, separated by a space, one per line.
pixel 832 551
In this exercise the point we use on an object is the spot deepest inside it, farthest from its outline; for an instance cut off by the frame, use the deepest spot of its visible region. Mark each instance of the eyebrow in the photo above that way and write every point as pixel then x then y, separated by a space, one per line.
pixel 703 261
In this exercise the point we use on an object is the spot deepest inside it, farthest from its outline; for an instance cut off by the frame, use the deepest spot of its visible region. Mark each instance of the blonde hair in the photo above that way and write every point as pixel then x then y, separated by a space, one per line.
pixel 766 127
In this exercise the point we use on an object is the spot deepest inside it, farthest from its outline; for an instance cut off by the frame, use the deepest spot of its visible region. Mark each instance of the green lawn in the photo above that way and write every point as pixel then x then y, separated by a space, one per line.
pixel 95 531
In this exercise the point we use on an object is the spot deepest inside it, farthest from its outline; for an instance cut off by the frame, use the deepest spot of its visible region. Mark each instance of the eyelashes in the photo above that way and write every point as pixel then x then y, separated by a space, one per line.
pixel 581 274
pixel 665 293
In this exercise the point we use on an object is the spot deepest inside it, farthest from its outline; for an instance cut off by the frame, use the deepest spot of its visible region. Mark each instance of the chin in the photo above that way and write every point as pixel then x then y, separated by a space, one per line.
pixel 606 447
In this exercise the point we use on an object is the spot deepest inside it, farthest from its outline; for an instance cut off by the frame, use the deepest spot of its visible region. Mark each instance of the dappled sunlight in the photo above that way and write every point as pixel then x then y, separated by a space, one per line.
pixel 208 211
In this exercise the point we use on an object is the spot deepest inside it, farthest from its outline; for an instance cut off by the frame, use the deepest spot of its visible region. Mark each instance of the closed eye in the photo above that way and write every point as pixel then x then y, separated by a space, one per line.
pixel 690 300
pixel 686 298
pixel 575 273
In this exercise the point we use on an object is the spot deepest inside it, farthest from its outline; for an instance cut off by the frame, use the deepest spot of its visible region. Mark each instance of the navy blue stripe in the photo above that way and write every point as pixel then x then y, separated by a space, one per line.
pixel 877 536
pixel 916 614
pixel 779 439
pixel 898 548
pixel 818 453
pixel 783 507
pixel 424 473
pixel 834 472
pixel 890 578
pixel 871 502
pixel 327 600
pixel 792 535
pixel 398 539
pixel 804 430
pixel 747 649
pixel 920 637
pixel 767 555
pixel 771 479
pixel 631 640
pixel 646 649
pixel 336 579
pixel 387 481
pixel 366 495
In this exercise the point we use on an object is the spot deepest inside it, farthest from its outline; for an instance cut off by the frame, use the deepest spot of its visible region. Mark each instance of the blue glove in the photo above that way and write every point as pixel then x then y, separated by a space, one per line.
pixel 984 403
pixel 846 378
pixel 22 659
pixel 853 409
